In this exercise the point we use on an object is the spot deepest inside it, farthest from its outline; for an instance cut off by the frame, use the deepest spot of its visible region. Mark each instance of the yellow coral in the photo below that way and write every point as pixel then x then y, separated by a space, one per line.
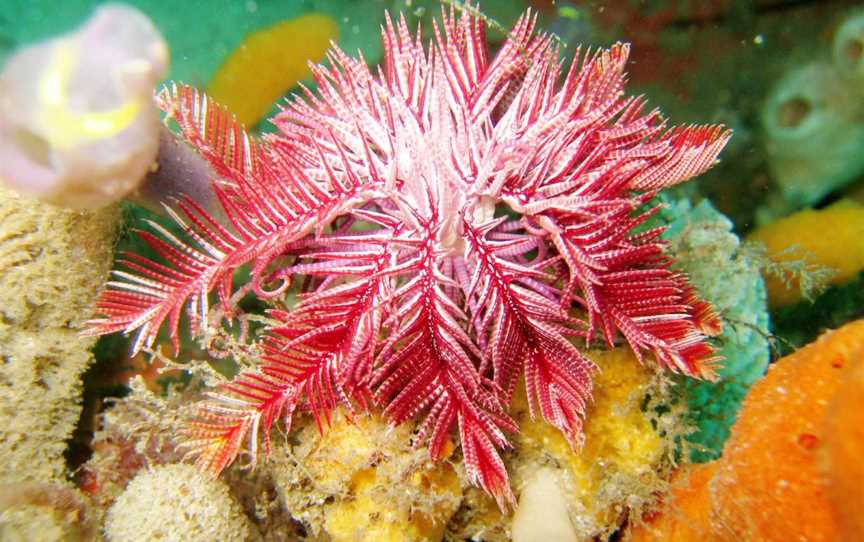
pixel 373 484
pixel 832 237
pixel 269 62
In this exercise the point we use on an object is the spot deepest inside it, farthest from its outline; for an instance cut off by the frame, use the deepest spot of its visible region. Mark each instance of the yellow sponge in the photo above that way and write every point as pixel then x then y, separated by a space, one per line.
pixel 363 480
pixel 269 62
pixel 622 449
pixel 832 237
pixel 618 471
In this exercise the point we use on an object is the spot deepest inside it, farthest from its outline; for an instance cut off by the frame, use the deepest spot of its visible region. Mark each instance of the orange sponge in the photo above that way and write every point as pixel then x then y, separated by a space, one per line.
pixel 792 468
pixel 685 513
pixel 770 484
pixel 844 453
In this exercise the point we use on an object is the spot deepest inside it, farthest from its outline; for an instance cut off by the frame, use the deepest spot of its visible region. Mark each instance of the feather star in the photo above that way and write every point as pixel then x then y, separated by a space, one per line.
pixel 461 224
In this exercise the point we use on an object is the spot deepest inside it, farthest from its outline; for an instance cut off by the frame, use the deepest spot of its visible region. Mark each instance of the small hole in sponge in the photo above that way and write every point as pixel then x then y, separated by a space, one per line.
pixel 792 112
pixel 808 441
pixel 853 50
pixel 33 147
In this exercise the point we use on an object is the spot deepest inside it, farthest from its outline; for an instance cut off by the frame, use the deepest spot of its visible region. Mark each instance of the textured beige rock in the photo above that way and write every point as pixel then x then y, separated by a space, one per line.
pixel 176 502
pixel 22 524
pixel 52 264
pixel 31 511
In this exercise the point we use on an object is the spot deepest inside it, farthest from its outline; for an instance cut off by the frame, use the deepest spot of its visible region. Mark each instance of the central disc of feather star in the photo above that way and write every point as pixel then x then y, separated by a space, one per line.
pixel 461 224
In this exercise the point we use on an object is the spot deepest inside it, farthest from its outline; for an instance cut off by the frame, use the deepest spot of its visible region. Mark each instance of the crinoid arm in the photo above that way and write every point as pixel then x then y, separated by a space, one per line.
pixel 462 225
pixel 269 203
pixel 598 161
pixel 318 356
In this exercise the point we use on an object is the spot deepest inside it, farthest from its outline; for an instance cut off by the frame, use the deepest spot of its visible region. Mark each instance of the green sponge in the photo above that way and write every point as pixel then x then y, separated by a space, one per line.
pixel 702 242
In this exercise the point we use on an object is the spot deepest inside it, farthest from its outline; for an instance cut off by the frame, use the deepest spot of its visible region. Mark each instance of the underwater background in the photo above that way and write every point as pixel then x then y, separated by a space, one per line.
pixel 772 236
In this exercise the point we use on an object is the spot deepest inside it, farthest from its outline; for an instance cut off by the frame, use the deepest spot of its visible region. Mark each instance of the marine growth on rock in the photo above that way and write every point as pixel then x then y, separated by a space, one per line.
pixel 457 224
